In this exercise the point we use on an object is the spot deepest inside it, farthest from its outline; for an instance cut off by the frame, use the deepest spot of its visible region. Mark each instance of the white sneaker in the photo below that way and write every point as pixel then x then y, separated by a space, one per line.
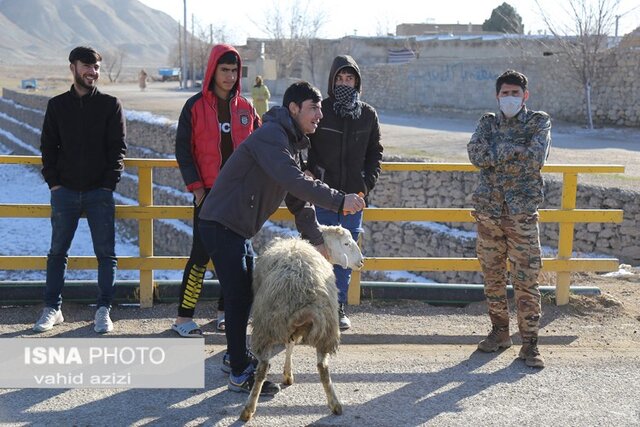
pixel 49 318
pixel 102 321
pixel 345 323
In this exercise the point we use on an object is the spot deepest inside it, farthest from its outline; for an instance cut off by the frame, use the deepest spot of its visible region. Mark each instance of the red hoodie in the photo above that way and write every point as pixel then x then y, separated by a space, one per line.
pixel 198 135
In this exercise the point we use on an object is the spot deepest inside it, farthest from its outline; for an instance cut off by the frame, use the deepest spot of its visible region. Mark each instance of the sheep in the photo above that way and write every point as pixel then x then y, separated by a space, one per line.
pixel 296 301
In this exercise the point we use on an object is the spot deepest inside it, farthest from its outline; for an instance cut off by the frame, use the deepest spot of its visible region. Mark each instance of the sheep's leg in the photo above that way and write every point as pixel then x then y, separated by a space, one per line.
pixel 323 369
pixel 288 374
pixel 260 376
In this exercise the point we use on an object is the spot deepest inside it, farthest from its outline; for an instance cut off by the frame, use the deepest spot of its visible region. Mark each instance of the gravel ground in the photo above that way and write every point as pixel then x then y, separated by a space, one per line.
pixel 404 363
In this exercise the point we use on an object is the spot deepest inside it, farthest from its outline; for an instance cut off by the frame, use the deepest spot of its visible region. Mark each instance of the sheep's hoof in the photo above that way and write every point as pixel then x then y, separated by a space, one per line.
pixel 337 409
pixel 287 379
pixel 246 415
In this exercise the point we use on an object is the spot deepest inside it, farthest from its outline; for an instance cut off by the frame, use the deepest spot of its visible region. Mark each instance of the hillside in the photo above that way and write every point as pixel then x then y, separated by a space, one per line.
pixel 40 31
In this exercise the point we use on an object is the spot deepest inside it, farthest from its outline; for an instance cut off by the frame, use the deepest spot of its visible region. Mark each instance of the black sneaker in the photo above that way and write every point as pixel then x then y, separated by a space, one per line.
pixel 243 383
pixel 226 361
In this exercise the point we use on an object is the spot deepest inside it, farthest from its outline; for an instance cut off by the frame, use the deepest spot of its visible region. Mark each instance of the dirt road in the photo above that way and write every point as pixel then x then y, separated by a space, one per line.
pixel 444 137
pixel 404 363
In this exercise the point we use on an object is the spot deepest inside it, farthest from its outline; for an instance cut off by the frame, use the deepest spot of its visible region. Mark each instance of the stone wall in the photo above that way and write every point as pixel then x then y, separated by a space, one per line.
pixel 458 74
pixel 394 189
pixel 467 85
pixel 454 190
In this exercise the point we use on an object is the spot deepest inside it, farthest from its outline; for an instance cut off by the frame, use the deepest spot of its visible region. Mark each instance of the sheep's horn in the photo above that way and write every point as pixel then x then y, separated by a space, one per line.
pixel 345 265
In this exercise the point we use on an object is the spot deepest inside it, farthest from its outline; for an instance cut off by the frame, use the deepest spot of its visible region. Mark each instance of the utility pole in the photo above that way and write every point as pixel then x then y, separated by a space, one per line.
pixel 184 47
pixel 193 62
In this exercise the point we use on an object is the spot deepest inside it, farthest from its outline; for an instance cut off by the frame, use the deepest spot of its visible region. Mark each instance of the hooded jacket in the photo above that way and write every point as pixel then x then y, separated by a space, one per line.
pixel 258 176
pixel 198 136
pixel 346 153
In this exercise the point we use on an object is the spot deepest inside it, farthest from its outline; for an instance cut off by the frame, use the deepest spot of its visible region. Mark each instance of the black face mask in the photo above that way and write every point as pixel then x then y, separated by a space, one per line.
pixel 347 103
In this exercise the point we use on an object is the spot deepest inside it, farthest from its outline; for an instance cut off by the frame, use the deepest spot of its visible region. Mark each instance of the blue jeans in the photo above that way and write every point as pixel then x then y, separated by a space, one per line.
pixel 233 259
pixel 353 223
pixel 66 208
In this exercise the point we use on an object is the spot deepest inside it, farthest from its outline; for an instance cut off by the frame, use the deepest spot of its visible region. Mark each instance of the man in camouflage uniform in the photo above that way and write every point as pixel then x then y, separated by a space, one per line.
pixel 510 148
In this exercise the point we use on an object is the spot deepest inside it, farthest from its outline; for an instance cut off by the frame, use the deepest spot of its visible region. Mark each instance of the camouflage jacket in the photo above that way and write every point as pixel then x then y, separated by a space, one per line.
pixel 510 154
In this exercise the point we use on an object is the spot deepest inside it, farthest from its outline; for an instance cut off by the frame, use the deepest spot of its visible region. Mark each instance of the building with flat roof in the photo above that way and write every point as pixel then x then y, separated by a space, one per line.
pixel 429 29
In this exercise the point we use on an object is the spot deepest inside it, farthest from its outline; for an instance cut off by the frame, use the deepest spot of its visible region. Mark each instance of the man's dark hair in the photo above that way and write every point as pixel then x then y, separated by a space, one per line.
pixel 511 77
pixel 300 92
pixel 228 58
pixel 85 54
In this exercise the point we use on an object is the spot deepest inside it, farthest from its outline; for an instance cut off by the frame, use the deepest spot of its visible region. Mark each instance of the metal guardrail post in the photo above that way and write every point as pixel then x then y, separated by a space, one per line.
pixel 145 235
pixel 565 236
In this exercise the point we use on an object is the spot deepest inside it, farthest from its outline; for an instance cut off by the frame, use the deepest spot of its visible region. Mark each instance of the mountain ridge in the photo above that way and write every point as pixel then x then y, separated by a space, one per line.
pixel 42 31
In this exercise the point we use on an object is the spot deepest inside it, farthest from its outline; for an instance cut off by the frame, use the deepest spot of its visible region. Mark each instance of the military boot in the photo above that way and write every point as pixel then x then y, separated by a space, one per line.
pixel 530 353
pixel 498 338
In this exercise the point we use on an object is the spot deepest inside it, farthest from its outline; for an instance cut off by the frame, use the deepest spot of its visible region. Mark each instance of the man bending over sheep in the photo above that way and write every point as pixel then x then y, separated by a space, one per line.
pixel 262 172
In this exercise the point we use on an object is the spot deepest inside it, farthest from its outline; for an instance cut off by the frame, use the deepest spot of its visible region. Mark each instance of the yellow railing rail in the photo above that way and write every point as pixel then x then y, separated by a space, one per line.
pixel 145 212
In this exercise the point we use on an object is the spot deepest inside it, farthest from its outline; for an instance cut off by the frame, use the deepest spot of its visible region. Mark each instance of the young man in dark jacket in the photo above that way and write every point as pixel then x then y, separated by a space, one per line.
pixel 212 124
pixel 261 173
pixel 345 153
pixel 83 148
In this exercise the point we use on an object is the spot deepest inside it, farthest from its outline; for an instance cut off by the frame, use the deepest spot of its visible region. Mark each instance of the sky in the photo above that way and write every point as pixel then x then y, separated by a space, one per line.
pixel 375 17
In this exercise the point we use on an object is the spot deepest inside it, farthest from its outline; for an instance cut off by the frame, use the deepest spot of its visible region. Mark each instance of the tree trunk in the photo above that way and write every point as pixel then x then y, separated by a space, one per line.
pixel 587 90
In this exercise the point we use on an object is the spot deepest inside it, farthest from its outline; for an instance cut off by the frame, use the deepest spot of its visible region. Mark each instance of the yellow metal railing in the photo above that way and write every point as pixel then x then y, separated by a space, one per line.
pixel 145 212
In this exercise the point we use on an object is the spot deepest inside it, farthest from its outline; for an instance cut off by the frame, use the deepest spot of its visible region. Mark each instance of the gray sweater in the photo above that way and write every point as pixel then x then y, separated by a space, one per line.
pixel 262 172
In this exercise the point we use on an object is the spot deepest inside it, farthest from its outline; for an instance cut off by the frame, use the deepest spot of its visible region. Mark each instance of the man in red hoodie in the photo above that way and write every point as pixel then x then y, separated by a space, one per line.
pixel 212 124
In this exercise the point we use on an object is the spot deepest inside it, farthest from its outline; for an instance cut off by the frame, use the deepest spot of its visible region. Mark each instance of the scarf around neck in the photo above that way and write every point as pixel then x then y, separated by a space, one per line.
pixel 347 103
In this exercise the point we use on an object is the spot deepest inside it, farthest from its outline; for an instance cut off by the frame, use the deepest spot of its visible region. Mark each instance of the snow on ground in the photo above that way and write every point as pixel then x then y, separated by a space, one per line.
pixel 147 117
pixel 624 271
pixel 32 236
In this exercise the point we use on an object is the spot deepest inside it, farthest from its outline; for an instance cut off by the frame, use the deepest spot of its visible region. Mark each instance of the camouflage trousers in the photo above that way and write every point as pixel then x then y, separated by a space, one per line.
pixel 516 238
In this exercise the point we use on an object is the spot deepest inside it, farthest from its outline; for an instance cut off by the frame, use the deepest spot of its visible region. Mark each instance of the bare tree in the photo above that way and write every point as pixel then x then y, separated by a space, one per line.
pixel 292 31
pixel 113 60
pixel 314 50
pixel 583 41
pixel 205 38
pixel 201 43
pixel 384 25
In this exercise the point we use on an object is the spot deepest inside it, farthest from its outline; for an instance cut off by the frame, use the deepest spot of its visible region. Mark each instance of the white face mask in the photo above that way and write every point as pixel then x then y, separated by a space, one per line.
pixel 510 105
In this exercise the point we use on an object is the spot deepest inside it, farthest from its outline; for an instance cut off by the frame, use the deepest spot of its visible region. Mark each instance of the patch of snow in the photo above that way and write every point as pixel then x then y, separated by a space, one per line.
pixel 624 270
pixel 148 117
pixel 32 236
pixel 20 107
pixel 19 123
pixel 405 276
pixel 17 141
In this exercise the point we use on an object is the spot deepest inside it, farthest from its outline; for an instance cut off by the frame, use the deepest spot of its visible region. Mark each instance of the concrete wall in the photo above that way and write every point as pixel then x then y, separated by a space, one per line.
pixel 394 189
